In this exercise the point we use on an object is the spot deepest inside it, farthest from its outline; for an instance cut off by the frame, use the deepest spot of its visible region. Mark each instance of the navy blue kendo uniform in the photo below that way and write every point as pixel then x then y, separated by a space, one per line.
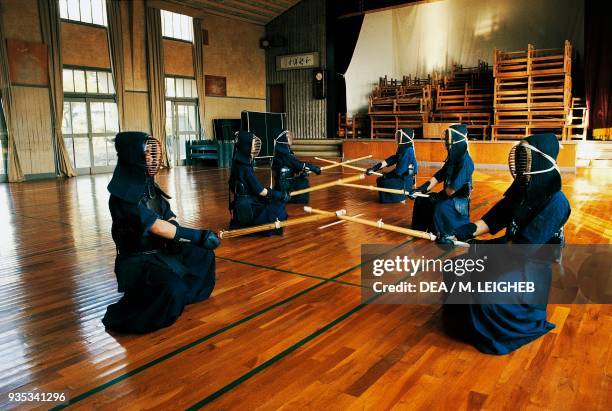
pixel 441 213
pixel 290 174
pixel 533 211
pixel 157 276
pixel 247 206
pixel 403 176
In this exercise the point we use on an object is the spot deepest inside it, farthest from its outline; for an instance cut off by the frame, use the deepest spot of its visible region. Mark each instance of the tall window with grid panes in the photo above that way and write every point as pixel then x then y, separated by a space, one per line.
pixel 84 11
pixel 90 119
pixel 182 122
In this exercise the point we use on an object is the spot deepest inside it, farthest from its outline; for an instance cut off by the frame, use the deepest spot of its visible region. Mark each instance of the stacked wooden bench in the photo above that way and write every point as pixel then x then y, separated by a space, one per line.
pixel 397 104
pixel 465 96
pixel 355 126
pixel 532 92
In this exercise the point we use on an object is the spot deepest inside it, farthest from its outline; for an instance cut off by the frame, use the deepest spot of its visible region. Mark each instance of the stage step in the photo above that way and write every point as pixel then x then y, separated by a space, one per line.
pixel 318 148
pixel 594 154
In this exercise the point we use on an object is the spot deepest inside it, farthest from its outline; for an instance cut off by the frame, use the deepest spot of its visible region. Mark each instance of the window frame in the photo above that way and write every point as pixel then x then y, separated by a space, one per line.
pixel 182 78
pixel 88 98
pixel 86 93
pixel 168 37
pixel 175 135
pixel 85 23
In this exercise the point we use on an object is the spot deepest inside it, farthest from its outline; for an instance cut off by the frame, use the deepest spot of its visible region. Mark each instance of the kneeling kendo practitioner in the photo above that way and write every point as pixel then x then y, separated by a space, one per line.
pixel 533 211
pixel 160 265
pixel 448 209
pixel 403 176
pixel 290 174
pixel 251 203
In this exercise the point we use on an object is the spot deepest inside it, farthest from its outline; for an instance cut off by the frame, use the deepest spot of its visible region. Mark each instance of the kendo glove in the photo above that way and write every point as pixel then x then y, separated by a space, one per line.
pixel 465 232
pixel 423 189
pixel 276 195
pixel 203 238
pixel 373 169
pixel 314 169
pixel 209 241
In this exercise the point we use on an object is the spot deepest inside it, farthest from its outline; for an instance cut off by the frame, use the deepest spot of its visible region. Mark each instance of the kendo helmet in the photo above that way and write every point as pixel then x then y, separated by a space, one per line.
pixel 247 146
pixel 532 156
pixel 404 136
pixel 283 140
pixel 139 149
pixel 456 141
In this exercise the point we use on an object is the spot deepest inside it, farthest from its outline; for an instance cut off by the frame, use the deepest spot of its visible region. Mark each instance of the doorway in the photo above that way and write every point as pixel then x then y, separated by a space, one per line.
pixel 181 126
pixel 277 98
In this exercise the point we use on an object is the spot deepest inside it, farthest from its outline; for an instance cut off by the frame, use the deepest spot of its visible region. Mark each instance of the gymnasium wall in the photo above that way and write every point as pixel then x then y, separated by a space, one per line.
pixel 32 128
pixel 432 36
pixel 303 27
pixel 232 52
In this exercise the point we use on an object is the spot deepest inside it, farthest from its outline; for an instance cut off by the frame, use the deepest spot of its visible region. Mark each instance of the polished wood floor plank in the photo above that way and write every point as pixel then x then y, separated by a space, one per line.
pixel 56 261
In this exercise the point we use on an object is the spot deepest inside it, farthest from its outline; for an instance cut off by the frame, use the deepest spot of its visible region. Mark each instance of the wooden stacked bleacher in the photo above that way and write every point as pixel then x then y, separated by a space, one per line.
pixel 356 126
pixel 532 92
pixel 396 104
pixel 466 96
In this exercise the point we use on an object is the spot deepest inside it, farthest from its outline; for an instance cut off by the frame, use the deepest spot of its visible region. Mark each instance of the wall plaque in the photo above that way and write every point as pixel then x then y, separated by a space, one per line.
pixel 297 61
pixel 215 86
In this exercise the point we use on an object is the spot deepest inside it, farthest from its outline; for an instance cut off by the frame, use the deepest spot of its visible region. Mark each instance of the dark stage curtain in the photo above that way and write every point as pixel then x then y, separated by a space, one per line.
pixel 342 35
pixel 346 35
pixel 598 67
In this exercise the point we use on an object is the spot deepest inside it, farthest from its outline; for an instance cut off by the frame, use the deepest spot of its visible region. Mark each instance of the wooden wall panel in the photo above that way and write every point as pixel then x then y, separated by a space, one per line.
pixel 84 46
pixel 32 128
pixel 137 112
pixel 483 153
pixel 303 26
pixel 178 58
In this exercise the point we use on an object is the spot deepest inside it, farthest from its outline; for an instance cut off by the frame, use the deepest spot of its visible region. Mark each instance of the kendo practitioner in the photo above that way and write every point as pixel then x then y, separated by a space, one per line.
pixel 251 203
pixel 533 211
pixel 403 176
pixel 160 265
pixel 290 174
pixel 448 209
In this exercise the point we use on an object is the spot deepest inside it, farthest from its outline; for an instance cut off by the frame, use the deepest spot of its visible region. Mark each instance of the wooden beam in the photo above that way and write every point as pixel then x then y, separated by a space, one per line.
pixel 233 10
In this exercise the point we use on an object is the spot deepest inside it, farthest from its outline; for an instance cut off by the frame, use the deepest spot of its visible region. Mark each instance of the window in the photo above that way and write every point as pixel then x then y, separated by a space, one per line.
pixel 176 26
pixel 85 11
pixel 88 81
pixel 181 116
pixel 90 118
pixel 177 87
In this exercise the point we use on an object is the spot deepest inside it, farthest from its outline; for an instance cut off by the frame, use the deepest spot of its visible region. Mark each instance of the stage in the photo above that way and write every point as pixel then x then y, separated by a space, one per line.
pixel 486 154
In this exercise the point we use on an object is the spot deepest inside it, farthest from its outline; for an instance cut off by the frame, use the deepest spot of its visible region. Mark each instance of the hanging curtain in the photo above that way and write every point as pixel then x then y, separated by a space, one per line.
pixel 198 68
pixel 597 63
pixel 155 77
pixel 346 35
pixel 115 41
pixel 50 29
pixel 14 170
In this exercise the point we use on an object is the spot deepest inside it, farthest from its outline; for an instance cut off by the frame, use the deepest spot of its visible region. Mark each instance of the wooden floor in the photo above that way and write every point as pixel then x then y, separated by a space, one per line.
pixel 284 327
